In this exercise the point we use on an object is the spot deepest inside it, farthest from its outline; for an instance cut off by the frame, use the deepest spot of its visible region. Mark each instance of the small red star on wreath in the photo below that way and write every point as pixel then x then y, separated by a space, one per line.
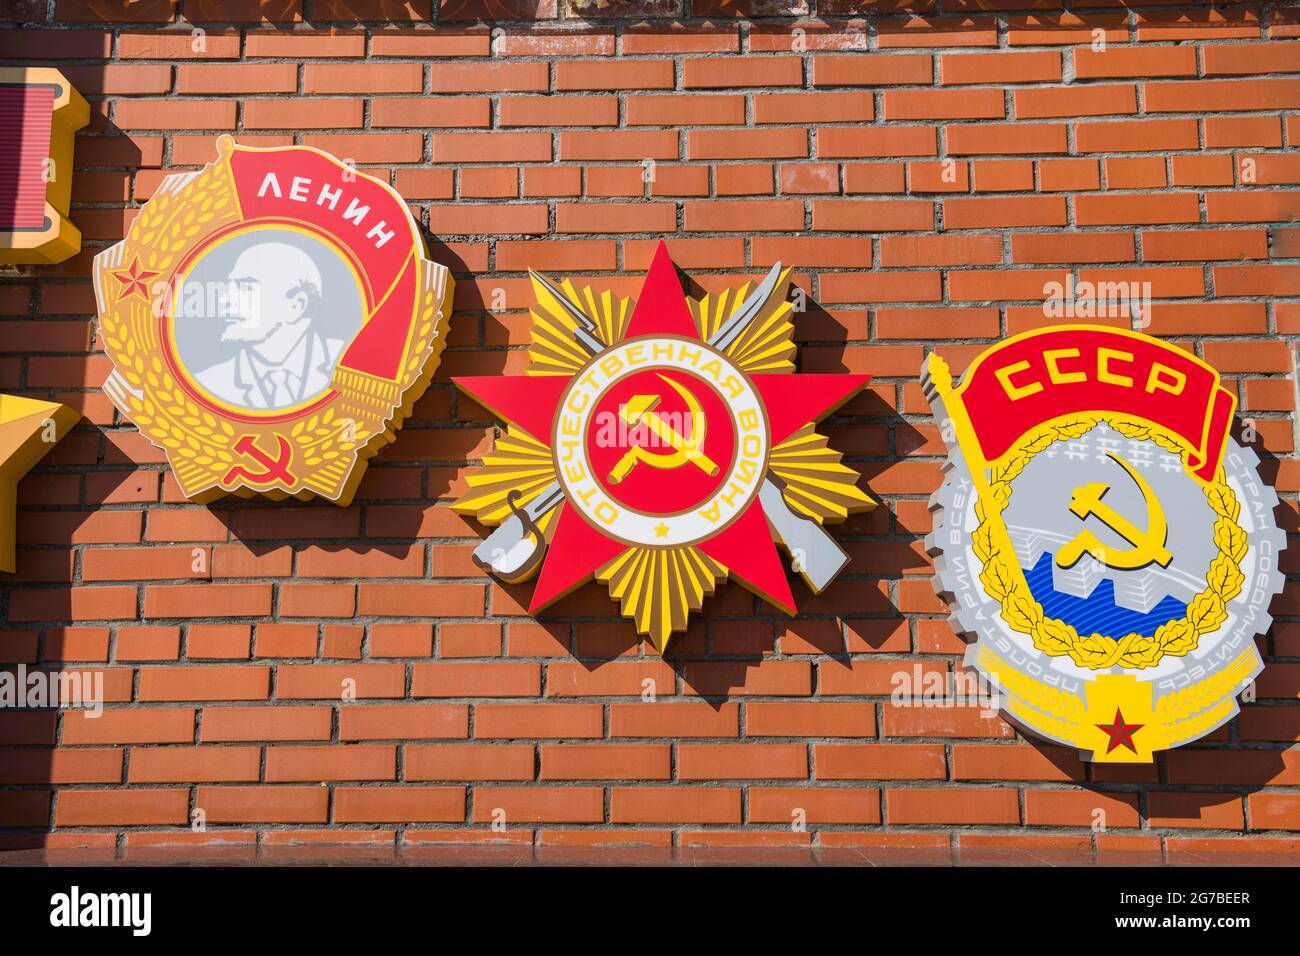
pixel 1120 733
pixel 134 281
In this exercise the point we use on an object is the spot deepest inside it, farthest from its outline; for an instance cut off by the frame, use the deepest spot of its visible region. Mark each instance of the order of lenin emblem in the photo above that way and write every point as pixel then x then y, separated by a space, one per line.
pixel 661 446
pixel 271 319
pixel 1106 542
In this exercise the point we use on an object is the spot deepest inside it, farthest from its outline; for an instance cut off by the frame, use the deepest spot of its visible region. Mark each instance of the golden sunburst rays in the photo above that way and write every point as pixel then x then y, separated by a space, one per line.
pixel 816 482
pixel 518 463
pixel 555 349
pixel 766 345
pixel 658 588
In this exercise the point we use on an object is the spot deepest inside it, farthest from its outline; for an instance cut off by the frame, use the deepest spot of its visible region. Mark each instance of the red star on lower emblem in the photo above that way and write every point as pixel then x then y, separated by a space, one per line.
pixel 134 281
pixel 1120 733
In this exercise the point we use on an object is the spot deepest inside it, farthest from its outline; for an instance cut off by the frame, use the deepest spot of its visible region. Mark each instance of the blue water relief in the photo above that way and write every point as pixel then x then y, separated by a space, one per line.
pixel 1098 611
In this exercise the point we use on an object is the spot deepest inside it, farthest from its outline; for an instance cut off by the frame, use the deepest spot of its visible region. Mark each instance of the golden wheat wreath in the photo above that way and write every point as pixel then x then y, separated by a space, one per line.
pixel 1003 580
pixel 162 409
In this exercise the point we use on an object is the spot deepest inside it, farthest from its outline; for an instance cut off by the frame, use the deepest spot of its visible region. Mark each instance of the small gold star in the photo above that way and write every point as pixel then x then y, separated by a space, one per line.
pixel 661 530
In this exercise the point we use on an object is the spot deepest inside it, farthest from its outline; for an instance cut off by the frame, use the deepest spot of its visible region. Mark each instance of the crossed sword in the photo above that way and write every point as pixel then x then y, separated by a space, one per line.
pixel 513 550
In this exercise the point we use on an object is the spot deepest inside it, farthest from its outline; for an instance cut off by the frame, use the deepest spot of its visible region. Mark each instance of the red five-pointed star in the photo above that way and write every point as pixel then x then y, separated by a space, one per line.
pixel 746 547
pixel 1120 732
pixel 134 281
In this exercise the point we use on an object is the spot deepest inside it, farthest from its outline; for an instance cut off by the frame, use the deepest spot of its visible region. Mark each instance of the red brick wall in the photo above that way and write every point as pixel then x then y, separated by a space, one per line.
pixel 1168 157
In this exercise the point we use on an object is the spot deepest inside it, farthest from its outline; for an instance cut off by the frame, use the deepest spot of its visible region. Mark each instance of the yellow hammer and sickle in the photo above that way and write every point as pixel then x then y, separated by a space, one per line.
pixel 1148 545
pixel 638 410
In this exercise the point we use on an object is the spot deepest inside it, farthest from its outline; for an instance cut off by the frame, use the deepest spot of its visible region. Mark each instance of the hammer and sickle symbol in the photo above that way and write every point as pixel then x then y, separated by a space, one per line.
pixel 639 409
pixel 274 469
pixel 1148 545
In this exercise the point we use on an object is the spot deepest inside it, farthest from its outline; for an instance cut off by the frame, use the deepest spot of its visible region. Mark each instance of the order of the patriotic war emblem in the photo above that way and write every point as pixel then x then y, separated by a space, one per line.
pixel 661 447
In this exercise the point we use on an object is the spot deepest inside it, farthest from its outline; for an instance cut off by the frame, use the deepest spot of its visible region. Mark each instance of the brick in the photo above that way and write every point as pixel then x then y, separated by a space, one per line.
pixel 1228 131
pixel 331 681
pixel 1215 24
pixel 1005 175
pixel 187 683
pixel 399 805
pixel 741 761
pixel 491 147
pixel 38 766
pixel 195 764
pixel 212 78
pixel 153 725
pixel 539 804
pixel 477 680
pixel 605 762
pixel 484 78
pixel 871 70
pixel 1068 247
pixel 700 110
pixel 1063 808
pixel 747 144
pixel 674 721
pixel 990 68
pixel 674 805
pixel 263 804
pixel 731 73
pixel 812 108
pixel 430 43
pixel 620 75
pixel 135 807
pixel 1006 138
pixel 943 104
pixel 952 806
pixel 744 216
pixel 901 141
pixel 175 114
pixel 469 762
pixel 1089 101
pixel 302 43
pixel 451 112
pixel 1116 62
pixel 868 215
pixel 217 641
pixel 1008 211
pixel 362 78
pixel 604 146
pixel 551 111
pixel 232 724
pixel 1136 136
pixel 1256 206
pixel 287 764
pixel 860 805
pixel 1221 96
pixel 222 600
pixel 1217 811
pixel 1135 172
pixel 534 721
pixel 999 762
pixel 809 719
pixel 1222 59
pixel 404 722
pixel 934 323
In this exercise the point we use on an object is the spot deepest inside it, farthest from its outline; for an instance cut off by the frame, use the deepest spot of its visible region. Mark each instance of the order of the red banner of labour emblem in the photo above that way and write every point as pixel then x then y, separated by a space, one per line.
pixel 1106 542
